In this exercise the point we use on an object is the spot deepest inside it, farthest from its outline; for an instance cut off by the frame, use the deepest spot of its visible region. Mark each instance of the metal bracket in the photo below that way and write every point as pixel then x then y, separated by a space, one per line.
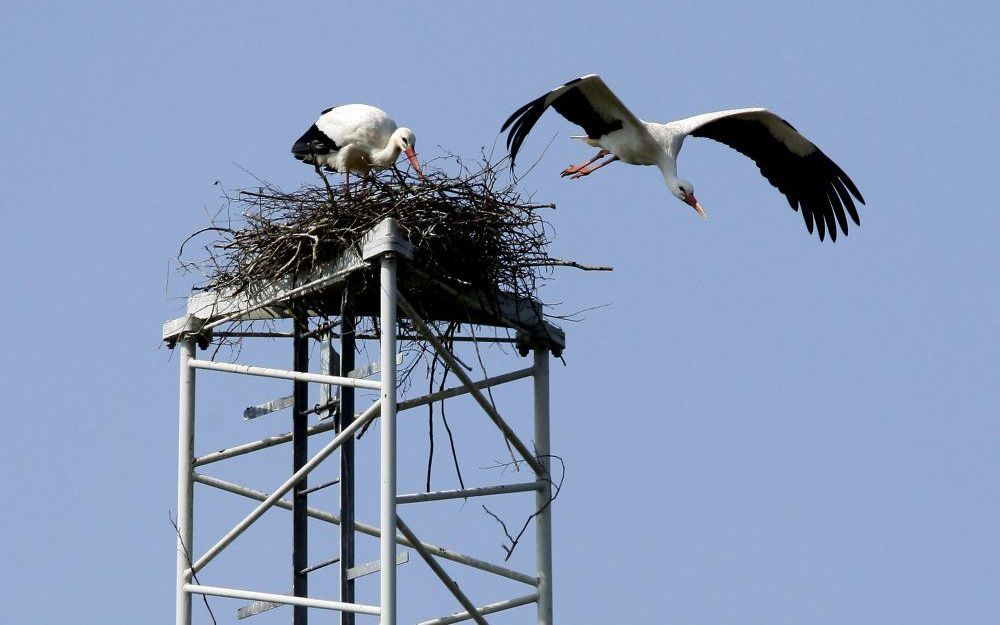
pixel 375 566
pixel 369 370
pixel 187 326
pixel 252 412
pixel 386 237
pixel 257 607
pixel 554 340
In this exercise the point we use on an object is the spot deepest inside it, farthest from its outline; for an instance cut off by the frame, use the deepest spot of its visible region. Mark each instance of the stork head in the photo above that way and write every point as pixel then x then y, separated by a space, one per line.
pixel 406 141
pixel 684 191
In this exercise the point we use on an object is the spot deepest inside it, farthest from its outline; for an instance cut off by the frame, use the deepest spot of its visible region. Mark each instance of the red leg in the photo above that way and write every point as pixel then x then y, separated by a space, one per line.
pixel 572 169
pixel 586 172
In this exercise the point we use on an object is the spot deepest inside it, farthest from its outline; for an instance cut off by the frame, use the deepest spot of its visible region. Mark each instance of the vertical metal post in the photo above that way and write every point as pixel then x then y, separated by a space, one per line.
pixel 543 522
pixel 327 392
pixel 348 327
pixel 185 478
pixel 300 454
pixel 387 424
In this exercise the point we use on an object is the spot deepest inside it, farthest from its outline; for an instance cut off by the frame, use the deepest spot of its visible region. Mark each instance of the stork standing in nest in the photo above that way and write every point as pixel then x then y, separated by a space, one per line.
pixel 355 138
pixel 807 177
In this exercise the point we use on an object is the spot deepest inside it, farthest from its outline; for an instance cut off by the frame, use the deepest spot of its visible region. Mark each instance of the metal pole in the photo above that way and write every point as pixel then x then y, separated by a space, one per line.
pixel 465 493
pixel 252 595
pixel 300 454
pixel 326 367
pixel 348 328
pixel 499 606
pixel 388 440
pixel 185 479
pixel 543 522
pixel 268 372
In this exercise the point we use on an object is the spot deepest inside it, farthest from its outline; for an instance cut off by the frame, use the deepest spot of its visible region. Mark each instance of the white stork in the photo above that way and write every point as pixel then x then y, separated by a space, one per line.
pixel 355 137
pixel 789 161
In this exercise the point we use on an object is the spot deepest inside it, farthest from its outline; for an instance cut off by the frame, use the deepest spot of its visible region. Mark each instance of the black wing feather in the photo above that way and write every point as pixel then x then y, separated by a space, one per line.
pixel 572 102
pixel 812 183
pixel 574 106
pixel 313 142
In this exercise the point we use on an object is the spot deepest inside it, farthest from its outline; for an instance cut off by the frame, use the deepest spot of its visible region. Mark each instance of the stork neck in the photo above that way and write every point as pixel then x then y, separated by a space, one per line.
pixel 387 155
pixel 668 167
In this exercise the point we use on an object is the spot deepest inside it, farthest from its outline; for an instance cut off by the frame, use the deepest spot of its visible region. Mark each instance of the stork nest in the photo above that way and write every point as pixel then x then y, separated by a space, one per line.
pixel 473 229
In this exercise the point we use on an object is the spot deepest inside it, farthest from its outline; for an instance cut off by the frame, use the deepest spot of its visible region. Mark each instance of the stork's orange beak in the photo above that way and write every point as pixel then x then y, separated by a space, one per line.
pixel 412 156
pixel 690 200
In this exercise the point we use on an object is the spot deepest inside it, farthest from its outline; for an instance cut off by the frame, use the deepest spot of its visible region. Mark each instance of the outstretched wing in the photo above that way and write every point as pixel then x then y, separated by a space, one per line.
pixel 585 101
pixel 800 170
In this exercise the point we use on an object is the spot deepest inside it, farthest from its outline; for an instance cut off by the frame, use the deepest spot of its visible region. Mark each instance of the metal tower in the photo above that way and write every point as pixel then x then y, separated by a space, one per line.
pixel 385 254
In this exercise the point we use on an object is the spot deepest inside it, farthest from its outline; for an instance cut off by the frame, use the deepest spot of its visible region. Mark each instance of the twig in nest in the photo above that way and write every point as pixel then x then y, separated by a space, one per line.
pixel 473 229
pixel 558 262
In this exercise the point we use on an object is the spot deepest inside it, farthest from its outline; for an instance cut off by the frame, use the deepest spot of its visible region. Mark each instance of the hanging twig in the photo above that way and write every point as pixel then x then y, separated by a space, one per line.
pixel 489 392
pixel 187 556
pixel 451 437
pixel 515 539
pixel 430 424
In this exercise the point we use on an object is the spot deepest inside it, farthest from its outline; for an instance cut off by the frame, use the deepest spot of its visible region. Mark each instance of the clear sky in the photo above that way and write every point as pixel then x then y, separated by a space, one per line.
pixel 759 428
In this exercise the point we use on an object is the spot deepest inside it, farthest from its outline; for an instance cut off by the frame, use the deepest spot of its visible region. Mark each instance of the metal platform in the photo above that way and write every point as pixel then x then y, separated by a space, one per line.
pixel 321 293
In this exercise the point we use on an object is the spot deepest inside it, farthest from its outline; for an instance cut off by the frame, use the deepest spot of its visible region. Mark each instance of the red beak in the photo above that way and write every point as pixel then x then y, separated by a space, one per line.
pixel 690 200
pixel 412 156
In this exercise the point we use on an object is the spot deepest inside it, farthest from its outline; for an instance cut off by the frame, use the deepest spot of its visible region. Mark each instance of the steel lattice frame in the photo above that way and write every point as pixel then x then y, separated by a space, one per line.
pixel 386 249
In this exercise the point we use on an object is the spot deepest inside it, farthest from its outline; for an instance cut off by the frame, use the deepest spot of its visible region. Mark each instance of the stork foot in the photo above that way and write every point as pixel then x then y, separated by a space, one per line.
pixel 574 169
pixel 586 171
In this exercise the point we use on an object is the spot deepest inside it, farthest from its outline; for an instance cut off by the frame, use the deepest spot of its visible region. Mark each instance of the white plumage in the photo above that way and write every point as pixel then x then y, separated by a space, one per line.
pixel 809 180
pixel 355 138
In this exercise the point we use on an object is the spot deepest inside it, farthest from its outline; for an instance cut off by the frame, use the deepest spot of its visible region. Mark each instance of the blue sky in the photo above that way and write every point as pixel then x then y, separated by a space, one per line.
pixel 759 428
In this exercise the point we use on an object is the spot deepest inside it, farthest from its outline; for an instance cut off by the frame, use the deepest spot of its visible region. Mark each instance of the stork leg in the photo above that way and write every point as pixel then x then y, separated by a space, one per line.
pixel 364 181
pixel 572 169
pixel 586 172
pixel 347 182
pixel 319 172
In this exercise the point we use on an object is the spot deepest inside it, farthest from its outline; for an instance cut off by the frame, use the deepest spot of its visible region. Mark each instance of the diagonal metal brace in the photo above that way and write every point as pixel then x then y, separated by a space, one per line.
pixel 449 358
pixel 440 572
pixel 280 492
pixel 371 530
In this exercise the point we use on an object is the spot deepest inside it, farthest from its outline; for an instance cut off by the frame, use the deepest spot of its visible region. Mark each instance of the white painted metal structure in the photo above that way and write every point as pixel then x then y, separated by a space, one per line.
pixel 386 249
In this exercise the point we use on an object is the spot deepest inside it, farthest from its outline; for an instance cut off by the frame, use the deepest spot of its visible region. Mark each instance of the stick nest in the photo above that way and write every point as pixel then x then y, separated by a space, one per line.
pixel 474 229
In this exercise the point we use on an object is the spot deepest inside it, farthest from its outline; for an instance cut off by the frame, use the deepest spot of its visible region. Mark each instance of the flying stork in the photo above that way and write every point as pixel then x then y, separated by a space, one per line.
pixel 800 170
pixel 355 137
